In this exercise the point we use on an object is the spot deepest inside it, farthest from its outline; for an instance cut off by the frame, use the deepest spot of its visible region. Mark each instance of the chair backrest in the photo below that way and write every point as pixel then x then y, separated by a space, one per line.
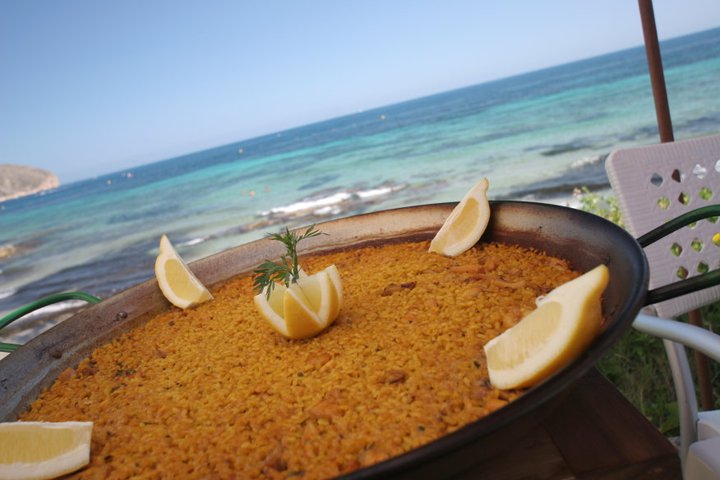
pixel 656 183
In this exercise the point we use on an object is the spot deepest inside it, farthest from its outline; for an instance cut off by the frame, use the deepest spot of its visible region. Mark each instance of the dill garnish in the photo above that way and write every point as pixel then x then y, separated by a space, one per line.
pixel 287 270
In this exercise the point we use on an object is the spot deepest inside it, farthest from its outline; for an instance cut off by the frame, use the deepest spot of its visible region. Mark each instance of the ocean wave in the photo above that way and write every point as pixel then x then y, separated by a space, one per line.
pixel 310 205
pixel 379 191
pixel 332 202
pixel 194 241
pixel 7 292
pixel 589 161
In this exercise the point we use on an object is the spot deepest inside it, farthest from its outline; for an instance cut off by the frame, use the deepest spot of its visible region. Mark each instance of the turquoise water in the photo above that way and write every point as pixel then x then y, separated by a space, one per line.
pixel 535 136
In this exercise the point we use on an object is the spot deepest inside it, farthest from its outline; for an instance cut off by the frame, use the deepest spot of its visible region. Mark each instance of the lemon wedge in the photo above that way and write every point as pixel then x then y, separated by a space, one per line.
pixel 43 449
pixel 465 224
pixel 323 292
pixel 307 307
pixel 177 282
pixel 551 336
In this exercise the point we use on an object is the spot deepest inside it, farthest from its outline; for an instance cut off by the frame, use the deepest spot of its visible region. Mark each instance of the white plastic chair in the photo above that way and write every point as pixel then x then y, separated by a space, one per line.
pixel 654 184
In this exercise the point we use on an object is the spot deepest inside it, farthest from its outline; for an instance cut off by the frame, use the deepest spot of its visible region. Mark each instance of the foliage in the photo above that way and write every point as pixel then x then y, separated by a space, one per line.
pixel 638 367
pixel 606 207
pixel 287 270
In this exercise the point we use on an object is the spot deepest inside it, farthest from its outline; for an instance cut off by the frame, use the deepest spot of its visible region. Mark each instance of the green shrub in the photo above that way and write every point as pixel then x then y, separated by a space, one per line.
pixel 606 207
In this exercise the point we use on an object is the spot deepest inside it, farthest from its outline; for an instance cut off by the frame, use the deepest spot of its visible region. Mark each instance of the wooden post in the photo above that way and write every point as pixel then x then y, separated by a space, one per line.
pixel 662 112
pixel 657 77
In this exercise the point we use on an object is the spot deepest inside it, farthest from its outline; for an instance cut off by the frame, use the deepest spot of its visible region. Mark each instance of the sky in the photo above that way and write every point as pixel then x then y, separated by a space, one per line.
pixel 92 87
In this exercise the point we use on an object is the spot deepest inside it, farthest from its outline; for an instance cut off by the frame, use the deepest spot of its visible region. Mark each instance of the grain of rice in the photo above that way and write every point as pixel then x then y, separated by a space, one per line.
pixel 214 392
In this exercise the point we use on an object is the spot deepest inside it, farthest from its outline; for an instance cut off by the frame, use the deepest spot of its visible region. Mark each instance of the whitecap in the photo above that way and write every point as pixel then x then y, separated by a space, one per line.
pixel 328 210
pixel 7 293
pixel 193 241
pixel 329 204
pixel 309 204
pixel 374 192
pixel 588 161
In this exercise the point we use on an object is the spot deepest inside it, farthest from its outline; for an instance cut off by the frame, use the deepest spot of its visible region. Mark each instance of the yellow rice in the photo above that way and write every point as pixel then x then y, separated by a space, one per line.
pixel 214 392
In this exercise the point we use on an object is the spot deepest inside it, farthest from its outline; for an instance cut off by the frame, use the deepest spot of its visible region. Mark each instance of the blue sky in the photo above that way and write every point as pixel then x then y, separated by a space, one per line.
pixel 92 87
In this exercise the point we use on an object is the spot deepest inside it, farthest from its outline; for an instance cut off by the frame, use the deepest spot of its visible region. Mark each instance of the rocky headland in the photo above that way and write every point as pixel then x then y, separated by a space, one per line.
pixel 19 180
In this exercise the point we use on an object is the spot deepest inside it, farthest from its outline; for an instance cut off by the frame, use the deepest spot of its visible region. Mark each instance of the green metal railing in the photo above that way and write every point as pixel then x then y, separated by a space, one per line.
pixel 38 304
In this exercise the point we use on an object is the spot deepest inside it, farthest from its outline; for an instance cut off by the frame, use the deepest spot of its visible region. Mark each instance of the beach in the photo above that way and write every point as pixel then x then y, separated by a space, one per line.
pixel 537 137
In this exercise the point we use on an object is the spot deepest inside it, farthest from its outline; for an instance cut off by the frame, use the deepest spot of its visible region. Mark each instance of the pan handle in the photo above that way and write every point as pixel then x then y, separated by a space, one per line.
pixel 689 285
pixel 37 304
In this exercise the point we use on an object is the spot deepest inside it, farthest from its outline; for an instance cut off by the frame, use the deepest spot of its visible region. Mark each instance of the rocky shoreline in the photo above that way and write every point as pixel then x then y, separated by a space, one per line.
pixel 19 180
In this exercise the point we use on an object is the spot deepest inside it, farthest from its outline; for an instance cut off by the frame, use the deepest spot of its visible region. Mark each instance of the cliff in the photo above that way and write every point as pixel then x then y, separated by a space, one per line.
pixel 18 181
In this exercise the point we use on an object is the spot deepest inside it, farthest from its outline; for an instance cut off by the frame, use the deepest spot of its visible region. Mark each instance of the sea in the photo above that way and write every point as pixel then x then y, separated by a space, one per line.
pixel 538 136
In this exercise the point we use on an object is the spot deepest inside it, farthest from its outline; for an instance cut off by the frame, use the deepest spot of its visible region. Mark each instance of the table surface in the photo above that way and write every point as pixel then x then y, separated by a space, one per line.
pixel 594 433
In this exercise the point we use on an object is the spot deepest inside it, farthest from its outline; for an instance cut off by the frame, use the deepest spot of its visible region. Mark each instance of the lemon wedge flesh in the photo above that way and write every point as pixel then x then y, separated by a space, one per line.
pixel 179 285
pixel 43 449
pixel 307 307
pixel 465 224
pixel 551 336
pixel 323 292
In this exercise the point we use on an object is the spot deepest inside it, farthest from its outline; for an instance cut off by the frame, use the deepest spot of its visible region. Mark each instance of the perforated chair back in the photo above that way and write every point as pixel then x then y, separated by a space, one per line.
pixel 656 183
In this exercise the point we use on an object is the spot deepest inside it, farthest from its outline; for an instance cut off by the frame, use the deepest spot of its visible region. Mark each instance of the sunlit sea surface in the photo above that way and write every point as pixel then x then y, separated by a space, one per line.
pixel 536 136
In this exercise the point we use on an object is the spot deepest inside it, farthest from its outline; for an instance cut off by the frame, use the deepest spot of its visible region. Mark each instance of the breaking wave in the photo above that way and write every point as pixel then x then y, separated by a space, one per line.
pixel 331 203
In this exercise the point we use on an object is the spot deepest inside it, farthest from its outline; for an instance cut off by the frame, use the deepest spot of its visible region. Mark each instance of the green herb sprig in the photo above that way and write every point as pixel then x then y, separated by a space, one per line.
pixel 287 270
